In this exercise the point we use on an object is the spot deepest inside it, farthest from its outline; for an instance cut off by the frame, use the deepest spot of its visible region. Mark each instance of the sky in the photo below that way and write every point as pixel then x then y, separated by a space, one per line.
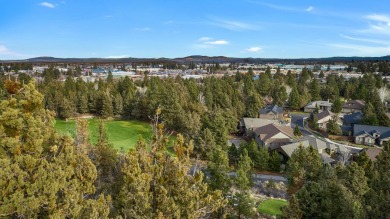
pixel 179 28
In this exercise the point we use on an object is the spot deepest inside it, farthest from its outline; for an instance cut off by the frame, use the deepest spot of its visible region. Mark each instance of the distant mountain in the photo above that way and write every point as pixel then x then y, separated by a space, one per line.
pixel 198 59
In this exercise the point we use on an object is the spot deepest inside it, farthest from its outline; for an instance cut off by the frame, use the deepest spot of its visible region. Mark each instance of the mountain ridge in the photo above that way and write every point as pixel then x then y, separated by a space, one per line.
pixel 196 59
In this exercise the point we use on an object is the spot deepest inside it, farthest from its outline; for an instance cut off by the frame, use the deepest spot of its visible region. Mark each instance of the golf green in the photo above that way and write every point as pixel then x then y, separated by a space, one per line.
pixel 272 207
pixel 122 134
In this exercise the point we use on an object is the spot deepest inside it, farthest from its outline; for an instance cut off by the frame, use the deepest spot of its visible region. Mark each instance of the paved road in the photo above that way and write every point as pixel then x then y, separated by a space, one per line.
pixel 263 177
pixel 297 119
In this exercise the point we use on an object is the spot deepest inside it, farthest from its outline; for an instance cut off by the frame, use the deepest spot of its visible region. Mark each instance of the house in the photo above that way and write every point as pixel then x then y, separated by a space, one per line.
pixel 371 135
pixel 322 105
pixel 323 118
pixel 353 118
pixel 319 145
pixel 273 136
pixel 247 125
pixel 329 152
pixel 353 106
pixel 271 112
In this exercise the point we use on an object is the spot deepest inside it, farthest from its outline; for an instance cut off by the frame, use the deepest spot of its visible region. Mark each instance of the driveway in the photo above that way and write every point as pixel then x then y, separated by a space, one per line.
pixel 297 119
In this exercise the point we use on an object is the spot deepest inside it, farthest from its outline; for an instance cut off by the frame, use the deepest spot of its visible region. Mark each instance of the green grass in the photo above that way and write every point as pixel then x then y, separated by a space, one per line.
pixel 122 134
pixel 272 207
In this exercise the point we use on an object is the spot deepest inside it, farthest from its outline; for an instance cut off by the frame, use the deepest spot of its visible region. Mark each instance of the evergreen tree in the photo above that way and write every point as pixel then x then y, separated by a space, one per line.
pixel 244 175
pixel 218 166
pixel 292 211
pixel 43 175
pixel 253 104
pixel 304 165
pixel 274 162
pixel 332 126
pixel 294 99
pixel 157 185
pixel 337 105
pixel 314 89
pixel 297 131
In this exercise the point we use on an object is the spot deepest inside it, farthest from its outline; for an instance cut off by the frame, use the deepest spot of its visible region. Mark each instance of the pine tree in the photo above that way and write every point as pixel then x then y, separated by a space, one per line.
pixel 158 185
pixel 43 175
pixel 274 162
pixel 292 211
pixel 304 165
pixel 337 105
pixel 294 99
pixel 297 131
pixel 244 175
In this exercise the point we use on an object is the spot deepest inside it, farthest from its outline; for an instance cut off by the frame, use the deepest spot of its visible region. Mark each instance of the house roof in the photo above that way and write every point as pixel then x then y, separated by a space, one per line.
pixel 373 152
pixel 289 149
pixel 256 122
pixel 266 132
pixel 319 103
pixel 353 118
pixel 354 104
pixel 272 108
pixel 324 114
pixel 369 130
pixel 326 159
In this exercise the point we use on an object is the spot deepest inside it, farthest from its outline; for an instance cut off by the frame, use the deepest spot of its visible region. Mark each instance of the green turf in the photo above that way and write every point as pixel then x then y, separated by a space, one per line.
pixel 122 134
pixel 272 206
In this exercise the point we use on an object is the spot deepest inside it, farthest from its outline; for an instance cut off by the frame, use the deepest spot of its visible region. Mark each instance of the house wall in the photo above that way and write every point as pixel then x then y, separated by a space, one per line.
pixel 365 140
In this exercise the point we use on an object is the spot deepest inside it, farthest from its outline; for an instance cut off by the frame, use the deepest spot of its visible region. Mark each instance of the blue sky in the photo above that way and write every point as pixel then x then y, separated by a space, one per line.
pixel 173 28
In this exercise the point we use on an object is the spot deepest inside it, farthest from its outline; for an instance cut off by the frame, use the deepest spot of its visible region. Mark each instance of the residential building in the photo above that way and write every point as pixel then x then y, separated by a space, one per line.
pixel 272 112
pixel 273 136
pixel 323 118
pixel 371 135
pixel 353 106
pixel 353 118
pixel 247 125
pixel 322 105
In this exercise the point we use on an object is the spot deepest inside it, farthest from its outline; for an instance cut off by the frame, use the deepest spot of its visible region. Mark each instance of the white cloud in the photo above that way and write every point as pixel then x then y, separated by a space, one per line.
pixel 143 29
pixel 376 41
pixel 281 7
pixel 380 27
pixel 362 50
pixel 309 9
pixel 378 17
pixel 254 49
pixel 203 39
pixel 47 4
pixel 118 57
pixel 233 25
pixel 209 42
pixel 217 42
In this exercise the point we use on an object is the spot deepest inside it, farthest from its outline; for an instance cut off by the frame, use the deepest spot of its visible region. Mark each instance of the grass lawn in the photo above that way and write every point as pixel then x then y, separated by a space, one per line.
pixel 272 207
pixel 122 134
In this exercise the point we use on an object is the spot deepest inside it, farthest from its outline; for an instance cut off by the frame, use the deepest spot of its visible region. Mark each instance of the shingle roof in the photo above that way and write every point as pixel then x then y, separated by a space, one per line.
pixel 319 103
pixel 290 148
pixel 266 132
pixel 368 129
pixel 256 122
pixel 326 158
pixel 274 108
pixel 353 118
pixel 354 104
pixel 324 114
